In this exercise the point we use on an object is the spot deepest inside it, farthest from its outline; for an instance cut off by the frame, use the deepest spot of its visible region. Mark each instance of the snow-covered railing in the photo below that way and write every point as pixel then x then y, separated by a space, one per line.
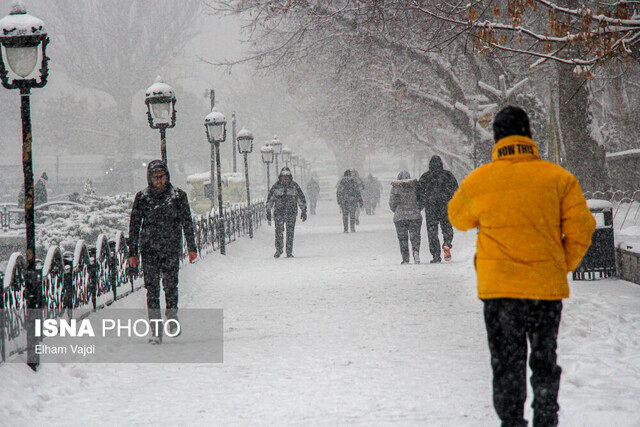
pixel 93 276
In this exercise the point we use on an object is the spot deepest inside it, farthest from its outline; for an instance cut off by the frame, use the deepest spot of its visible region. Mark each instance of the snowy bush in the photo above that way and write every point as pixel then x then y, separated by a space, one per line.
pixel 64 225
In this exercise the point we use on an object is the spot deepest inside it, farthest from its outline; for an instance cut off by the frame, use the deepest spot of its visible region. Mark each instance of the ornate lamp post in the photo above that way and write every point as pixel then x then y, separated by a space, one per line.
pixel 277 150
pixel 215 125
pixel 245 146
pixel 267 158
pixel 161 112
pixel 286 155
pixel 24 39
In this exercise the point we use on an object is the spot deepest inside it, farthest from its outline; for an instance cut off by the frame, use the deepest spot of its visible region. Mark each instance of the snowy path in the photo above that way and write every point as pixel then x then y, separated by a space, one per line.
pixel 342 334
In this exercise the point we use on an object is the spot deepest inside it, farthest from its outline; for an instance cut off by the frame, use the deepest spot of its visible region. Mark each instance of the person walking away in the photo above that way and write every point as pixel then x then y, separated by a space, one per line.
pixel 407 217
pixel 534 227
pixel 159 217
pixel 313 191
pixel 369 194
pixel 40 191
pixel 285 196
pixel 435 189
pixel 356 176
pixel 349 198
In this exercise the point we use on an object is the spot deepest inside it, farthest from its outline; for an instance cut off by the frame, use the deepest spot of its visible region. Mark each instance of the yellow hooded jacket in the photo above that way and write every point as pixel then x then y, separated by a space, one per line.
pixel 533 222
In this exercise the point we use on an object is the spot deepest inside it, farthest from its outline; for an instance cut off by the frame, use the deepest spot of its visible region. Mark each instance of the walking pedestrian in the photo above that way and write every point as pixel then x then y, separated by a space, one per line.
pixel 534 227
pixel 285 197
pixel 159 217
pixel 406 215
pixel 349 198
pixel 435 189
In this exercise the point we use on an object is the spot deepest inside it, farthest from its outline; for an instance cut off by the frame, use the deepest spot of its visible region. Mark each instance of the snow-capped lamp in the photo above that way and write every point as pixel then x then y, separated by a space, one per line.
pixel 267 154
pixel 161 111
pixel 215 124
pixel 286 155
pixel 24 40
pixel 161 100
pixel 276 144
pixel 245 141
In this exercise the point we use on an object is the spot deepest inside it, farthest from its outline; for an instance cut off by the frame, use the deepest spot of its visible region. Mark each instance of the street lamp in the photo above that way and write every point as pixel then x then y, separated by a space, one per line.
pixel 161 112
pixel 286 155
pixel 245 146
pixel 24 40
pixel 277 150
pixel 215 125
pixel 267 158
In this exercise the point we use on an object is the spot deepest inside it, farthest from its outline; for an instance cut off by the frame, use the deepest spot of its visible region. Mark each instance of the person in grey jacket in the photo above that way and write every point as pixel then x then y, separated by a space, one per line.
pixel 406 215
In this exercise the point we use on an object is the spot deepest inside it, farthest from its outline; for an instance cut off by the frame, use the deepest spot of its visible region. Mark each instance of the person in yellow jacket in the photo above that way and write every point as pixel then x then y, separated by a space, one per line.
pixel 534 227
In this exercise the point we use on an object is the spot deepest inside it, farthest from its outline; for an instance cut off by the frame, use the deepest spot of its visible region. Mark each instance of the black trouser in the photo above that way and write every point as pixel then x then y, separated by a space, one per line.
pixel 290 221
pixel 432 233
pixel 348 217
pixel 510 322
pixel 153 268
pixel 408 229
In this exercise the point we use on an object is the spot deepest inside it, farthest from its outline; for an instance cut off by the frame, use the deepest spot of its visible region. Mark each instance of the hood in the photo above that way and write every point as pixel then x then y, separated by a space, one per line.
pixel 285 171
pixel 154 166
pixel 404 175
pixel 435 164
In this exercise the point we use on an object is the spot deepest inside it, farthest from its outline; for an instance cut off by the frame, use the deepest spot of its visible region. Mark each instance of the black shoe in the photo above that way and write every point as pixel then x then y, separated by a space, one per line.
pixel 289 255
pixel 404 262
pixel 155 340
pixel 435 260
pixel 277 254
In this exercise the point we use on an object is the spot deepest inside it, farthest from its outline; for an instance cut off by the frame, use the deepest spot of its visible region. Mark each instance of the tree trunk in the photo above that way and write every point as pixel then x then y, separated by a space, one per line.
pixel 585 157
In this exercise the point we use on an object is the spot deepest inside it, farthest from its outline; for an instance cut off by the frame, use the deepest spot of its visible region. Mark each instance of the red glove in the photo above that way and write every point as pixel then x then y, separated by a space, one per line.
pixel 133 261
pixel 192 256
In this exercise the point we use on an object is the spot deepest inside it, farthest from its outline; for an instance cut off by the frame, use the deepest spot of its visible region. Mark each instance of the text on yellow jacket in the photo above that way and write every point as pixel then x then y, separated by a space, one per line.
pixel 533 222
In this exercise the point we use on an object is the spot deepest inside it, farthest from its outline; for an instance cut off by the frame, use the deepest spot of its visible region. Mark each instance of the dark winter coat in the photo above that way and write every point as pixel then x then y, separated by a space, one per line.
pixel 435 189
pixel 313 188
pixel 403 201
pixel 372 189
pixel 285 199
pixel 158 220
pixel 349 193
pixel 40 193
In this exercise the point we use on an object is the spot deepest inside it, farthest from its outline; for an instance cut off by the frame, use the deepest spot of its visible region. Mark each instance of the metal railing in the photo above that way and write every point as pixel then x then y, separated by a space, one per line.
pixel 624 202
pixel 93 276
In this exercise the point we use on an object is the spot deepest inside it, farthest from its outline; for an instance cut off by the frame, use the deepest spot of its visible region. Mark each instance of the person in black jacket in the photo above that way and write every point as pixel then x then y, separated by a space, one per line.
pixel 285 196
pixel 435 189
pixel 349 197
pixel 159 216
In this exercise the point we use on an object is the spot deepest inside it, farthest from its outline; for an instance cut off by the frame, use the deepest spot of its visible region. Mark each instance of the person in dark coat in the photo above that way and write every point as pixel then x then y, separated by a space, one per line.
pixel 40 190
pixel 349 197
pixel 406 215
pixel 313 191
pixel 372 191
pixel 159 217
pixel 285 196
pixel 435 189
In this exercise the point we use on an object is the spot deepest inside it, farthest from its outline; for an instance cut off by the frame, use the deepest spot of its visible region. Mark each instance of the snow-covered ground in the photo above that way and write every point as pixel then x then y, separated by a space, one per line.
pixel 341 334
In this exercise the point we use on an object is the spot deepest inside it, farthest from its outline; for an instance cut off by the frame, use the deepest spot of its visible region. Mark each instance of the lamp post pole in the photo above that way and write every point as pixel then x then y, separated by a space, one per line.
pixel 233 141
pixel 20 36
pixel 220 213
pixel 163 143
pixel 246 178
